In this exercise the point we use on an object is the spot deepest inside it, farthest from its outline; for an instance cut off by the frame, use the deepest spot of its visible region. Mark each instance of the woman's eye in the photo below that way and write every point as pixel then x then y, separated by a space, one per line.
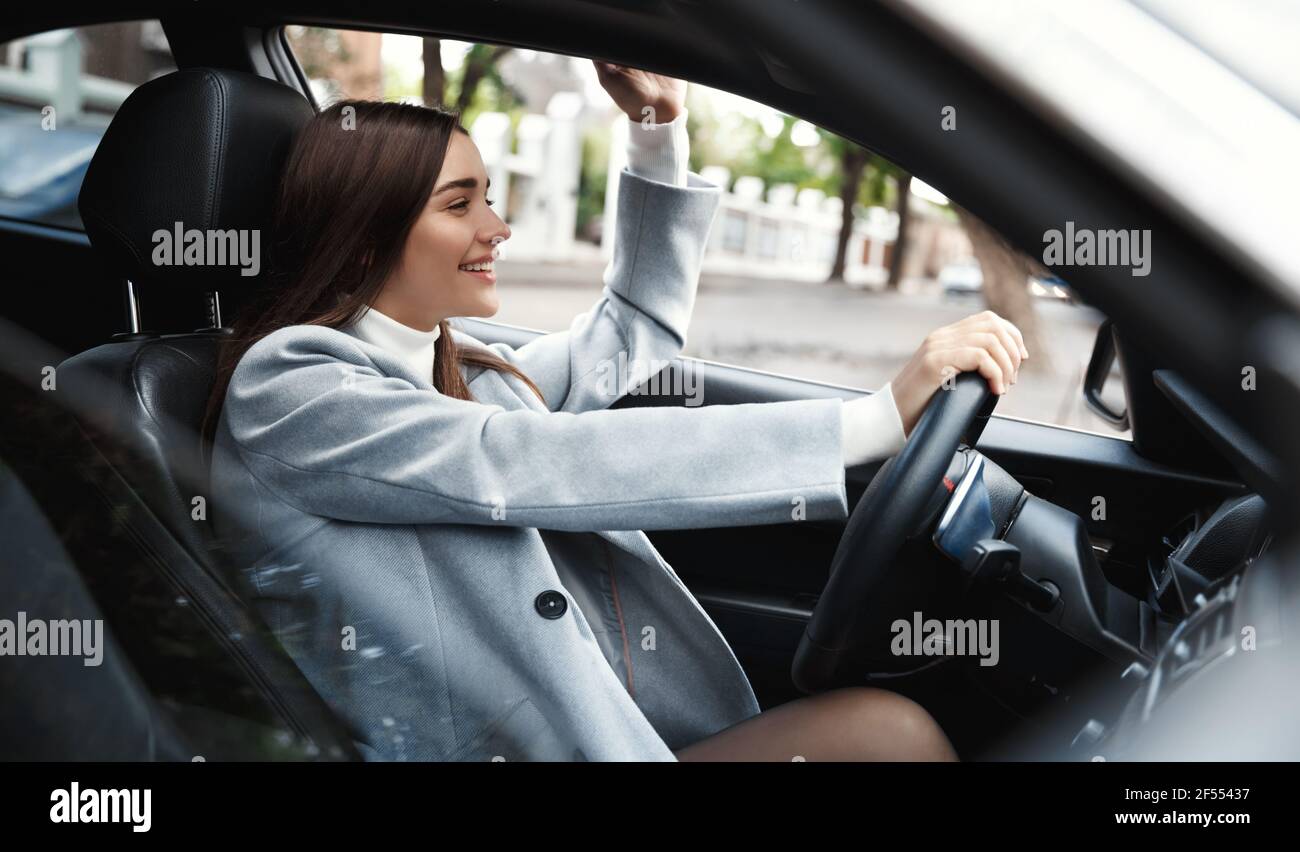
pixel 464 203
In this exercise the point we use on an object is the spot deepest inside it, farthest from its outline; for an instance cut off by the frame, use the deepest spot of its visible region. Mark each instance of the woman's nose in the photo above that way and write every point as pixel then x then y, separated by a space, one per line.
pixel 500 233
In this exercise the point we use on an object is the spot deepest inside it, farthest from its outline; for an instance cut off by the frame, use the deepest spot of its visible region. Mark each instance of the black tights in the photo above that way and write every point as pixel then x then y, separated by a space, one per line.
pixel 849 724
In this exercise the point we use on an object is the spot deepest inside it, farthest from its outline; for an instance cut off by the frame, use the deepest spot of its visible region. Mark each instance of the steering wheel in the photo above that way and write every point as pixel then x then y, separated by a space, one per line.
pixel 896 503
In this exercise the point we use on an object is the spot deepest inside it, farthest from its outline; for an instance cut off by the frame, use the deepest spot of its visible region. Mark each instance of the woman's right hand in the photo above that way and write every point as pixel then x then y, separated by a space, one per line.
pixel 984 342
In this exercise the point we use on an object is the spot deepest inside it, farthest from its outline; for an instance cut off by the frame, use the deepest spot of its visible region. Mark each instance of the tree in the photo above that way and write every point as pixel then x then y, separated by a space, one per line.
pixel 861 178
pixel 853 163
pixel 1006 281
pixel 435 78
pixel 901 202
pixel 480 62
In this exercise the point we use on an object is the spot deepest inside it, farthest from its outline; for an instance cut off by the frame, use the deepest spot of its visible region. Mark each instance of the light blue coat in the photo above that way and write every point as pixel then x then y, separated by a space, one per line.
pixel 397 540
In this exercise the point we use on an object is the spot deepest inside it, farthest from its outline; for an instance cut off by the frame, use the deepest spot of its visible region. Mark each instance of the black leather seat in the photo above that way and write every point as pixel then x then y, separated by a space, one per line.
pixel 203 147
pixel 112 717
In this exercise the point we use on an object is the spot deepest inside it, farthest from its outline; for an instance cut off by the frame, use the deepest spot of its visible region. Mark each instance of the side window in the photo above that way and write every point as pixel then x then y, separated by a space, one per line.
pixel 58 91
pixel 826 261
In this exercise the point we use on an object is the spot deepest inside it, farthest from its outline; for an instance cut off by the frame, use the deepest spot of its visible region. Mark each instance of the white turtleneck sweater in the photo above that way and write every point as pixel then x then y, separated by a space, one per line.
pixel 413 346
pixel 872 427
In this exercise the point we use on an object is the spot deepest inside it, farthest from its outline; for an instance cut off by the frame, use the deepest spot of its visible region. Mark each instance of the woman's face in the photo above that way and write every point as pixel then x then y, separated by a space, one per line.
pixel 454 233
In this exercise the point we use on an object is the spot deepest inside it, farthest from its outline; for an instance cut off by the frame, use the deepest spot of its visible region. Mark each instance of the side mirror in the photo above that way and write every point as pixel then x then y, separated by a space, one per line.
pixel 1101 368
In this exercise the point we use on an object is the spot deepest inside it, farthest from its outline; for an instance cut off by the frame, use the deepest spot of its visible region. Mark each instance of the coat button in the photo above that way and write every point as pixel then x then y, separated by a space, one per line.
pixel 551 604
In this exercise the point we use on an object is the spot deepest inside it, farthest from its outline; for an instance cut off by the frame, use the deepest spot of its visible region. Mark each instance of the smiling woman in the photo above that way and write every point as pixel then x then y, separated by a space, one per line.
pixel 360 223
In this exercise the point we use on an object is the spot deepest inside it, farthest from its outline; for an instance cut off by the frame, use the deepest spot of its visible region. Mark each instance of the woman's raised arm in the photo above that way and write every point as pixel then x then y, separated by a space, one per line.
pixel 662 222
pixel 645 305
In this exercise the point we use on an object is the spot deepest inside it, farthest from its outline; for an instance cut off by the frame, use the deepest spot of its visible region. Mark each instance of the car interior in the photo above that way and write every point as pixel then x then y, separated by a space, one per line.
pixel 1115 567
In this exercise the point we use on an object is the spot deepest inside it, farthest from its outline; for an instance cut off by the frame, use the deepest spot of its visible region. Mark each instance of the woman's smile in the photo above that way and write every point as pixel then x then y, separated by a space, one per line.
pixel 481 270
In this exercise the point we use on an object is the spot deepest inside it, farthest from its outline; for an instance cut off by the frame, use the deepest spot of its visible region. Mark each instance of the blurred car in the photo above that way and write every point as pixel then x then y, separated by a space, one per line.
pixel 41 171
pixel 1051 287
pixel 961 278
pixel 964 278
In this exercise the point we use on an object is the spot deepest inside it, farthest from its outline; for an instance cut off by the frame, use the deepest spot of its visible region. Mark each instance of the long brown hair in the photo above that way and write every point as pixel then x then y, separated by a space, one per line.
pixel 356 180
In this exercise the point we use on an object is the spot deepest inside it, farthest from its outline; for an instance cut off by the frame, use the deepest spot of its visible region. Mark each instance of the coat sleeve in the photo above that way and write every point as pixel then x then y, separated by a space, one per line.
pixel 645 305
pixel 325 431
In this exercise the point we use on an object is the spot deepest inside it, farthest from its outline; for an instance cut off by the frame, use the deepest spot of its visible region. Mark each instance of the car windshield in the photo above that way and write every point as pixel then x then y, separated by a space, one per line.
pixel 1196 99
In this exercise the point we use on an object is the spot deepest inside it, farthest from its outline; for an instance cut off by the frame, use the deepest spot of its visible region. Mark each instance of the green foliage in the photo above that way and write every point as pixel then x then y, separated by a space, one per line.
pixel 741 144
pixel 491 92
pixel 877 188
pixel 593 178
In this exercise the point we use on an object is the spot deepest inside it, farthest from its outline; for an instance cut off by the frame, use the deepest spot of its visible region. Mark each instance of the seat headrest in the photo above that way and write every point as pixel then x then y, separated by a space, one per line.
pixel 203 147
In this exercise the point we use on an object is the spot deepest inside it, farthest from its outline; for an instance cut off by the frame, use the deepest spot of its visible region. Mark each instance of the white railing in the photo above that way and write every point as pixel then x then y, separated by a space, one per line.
pixel 790 235
pixel 53 77
pixel 537 186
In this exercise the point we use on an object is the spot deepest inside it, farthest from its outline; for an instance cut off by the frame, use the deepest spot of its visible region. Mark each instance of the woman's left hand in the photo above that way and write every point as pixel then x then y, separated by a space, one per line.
pixel 983 342
pixel 641 94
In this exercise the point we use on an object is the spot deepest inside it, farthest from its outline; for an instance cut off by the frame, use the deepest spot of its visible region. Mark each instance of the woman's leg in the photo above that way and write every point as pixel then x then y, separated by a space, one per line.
pixel 853 723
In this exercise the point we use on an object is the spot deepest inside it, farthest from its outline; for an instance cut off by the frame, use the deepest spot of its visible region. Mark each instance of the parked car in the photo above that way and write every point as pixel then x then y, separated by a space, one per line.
pixel 1051 287
pixel 41 170
pixel 964 279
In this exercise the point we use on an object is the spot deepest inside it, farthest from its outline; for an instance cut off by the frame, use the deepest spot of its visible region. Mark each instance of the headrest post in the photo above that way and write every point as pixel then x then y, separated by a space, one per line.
pixel 214 309
pixel 133 331
pixel 212 303
pixel 132 309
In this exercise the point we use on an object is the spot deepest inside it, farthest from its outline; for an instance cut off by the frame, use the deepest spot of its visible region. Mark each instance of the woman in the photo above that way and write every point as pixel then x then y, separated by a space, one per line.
pixel 446 534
